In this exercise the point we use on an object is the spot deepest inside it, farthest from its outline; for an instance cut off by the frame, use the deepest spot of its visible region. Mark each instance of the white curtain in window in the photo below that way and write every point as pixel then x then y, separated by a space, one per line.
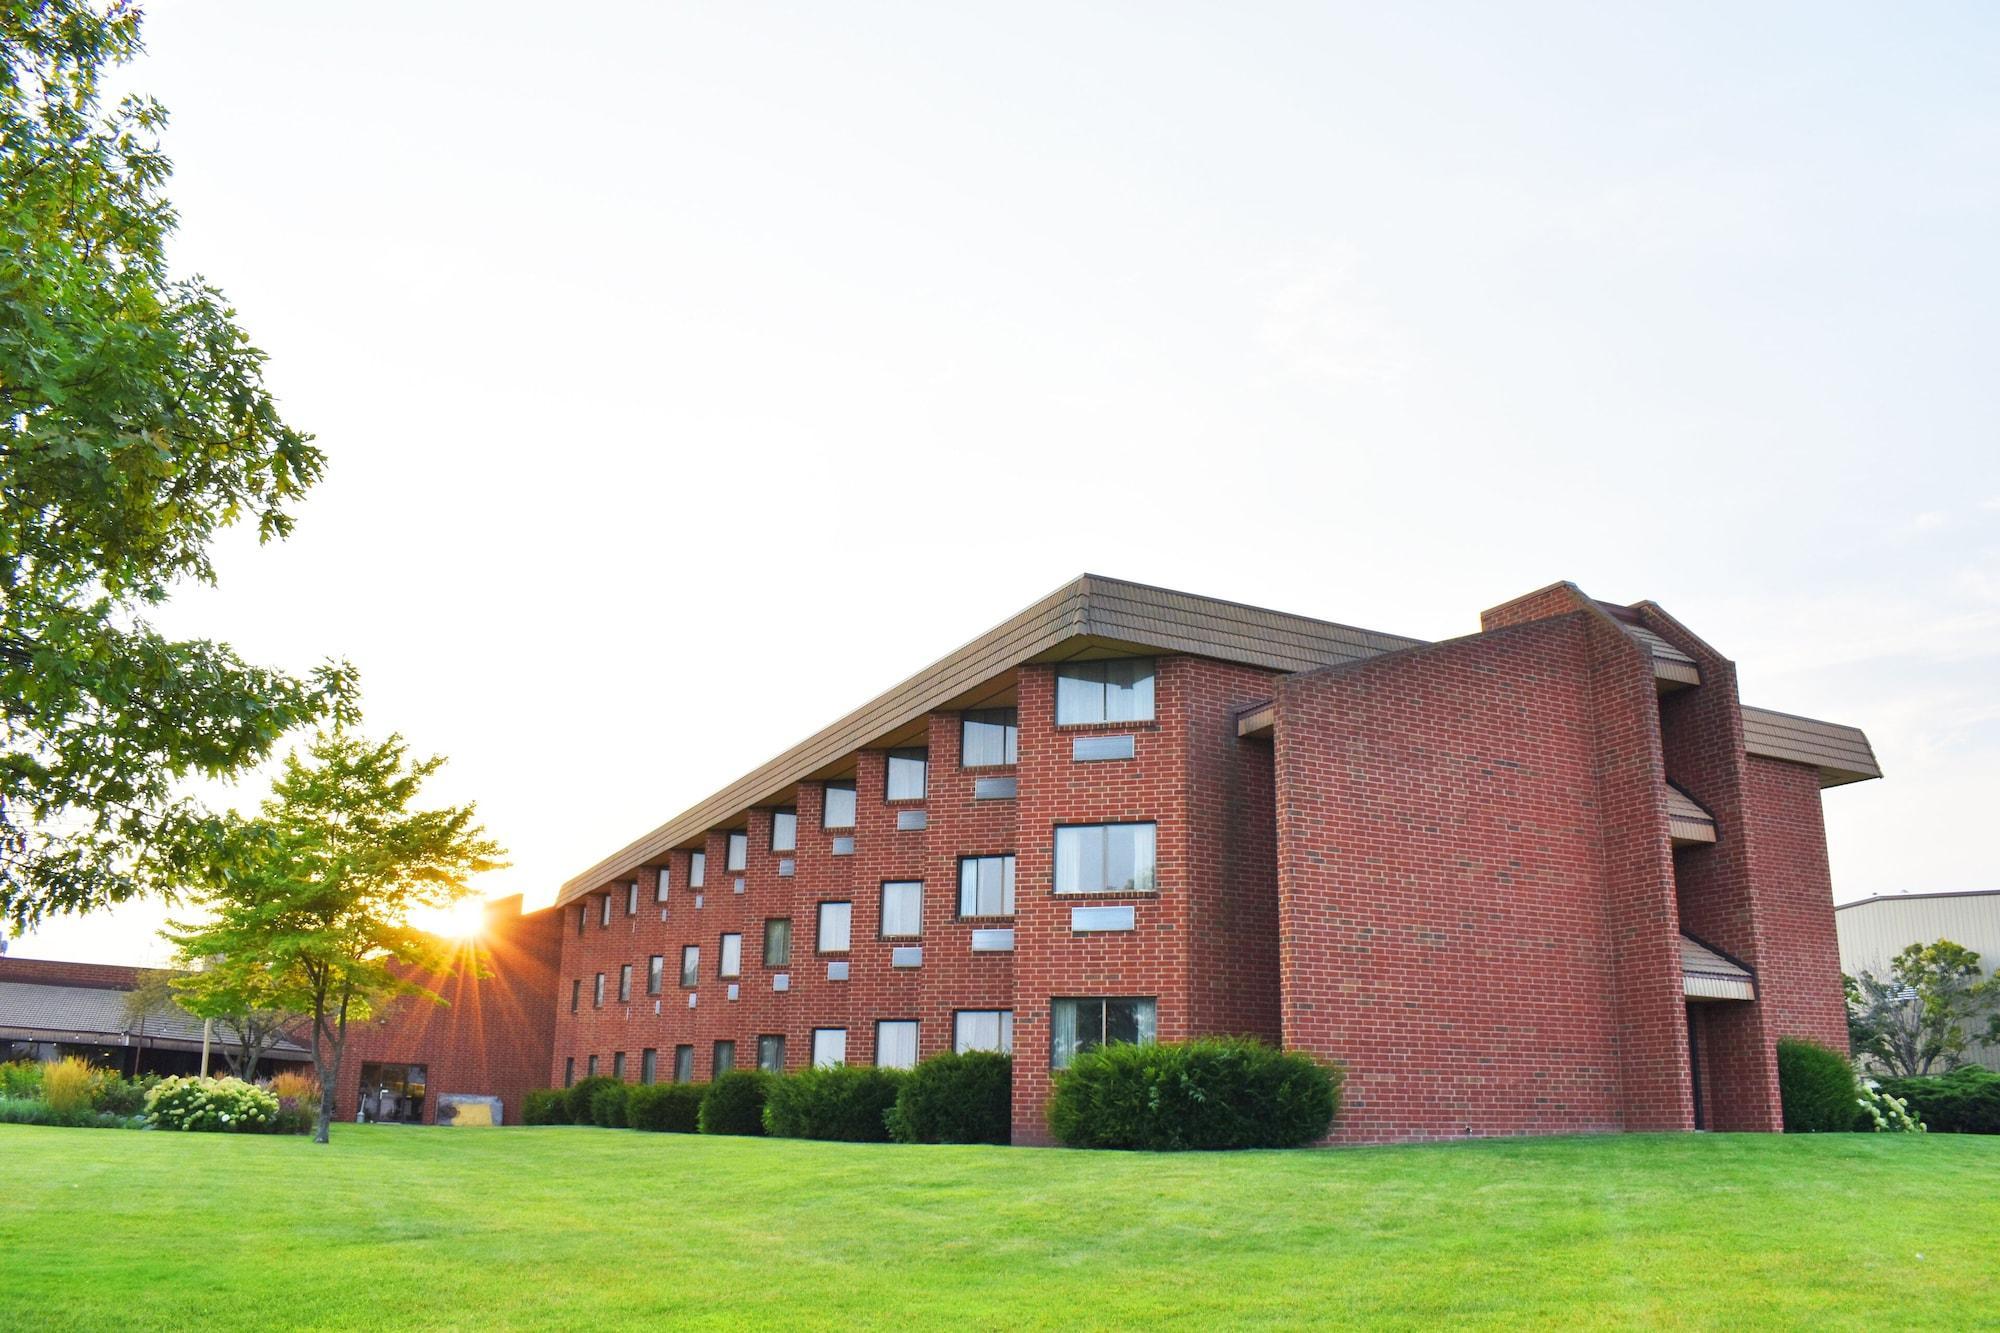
pixel 732 955
pixel 903 909
pixel 1069 1025
pixel 834 922
pixel 896 1045
pixel 984 1030
pixel 829 1047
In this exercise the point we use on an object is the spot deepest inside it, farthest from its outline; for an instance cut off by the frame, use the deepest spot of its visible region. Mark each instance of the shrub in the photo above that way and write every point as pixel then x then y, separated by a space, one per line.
pixel 35 1111
pixel 546 1106
pixel 576 1097
pixel 1218 1092
pixel 70 1085
pixel 213 1105
pixel 734 1103
pixel 123 1096
pixel 298 1103
pixel 1817 1089
pixel 607 1105
pixel 21 1079
pixel 965 1098
pixel 672 1108
pixel 1883 1113
pixel 846 1102
pixel 1965 1101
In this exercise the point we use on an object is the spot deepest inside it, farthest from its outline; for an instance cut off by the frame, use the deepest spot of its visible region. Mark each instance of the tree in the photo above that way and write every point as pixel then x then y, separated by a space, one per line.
pixel 134 426
pixel 319 887
pixel 1922 1018
pixel 244 1000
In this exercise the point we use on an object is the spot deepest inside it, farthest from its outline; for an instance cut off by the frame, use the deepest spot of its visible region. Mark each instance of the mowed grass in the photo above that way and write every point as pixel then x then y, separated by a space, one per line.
pixel 425 1228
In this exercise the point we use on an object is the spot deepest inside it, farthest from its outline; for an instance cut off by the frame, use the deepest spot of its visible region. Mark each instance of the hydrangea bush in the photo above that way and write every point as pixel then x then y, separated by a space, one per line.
pixel 212 1105
pixel 1886 1113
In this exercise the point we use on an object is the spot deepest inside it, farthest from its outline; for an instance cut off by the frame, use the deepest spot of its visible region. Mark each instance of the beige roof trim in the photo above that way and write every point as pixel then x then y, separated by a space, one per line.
pixel 1841 754
pixel 1707 975
pixel 1092 607
pixel 1687 820
pixel 1669 662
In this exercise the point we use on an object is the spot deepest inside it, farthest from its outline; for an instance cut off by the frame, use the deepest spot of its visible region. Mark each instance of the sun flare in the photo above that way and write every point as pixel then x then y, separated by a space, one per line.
pixel 463 920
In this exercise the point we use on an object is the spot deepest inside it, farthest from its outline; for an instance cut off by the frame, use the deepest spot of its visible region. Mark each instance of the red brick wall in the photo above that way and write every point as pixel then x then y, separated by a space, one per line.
pixel 1798 972
pixel 493 1034
pixel 1473 887
pixel 53 972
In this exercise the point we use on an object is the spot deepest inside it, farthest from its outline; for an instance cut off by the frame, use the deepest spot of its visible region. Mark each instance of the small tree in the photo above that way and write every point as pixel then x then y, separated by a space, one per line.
pixel 1922 1018
pixel 245 999
pixel 321 884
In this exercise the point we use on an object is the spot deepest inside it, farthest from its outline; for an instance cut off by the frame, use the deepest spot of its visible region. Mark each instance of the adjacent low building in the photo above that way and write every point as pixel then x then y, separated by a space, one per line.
pixel 1548 877
pixel 1874 930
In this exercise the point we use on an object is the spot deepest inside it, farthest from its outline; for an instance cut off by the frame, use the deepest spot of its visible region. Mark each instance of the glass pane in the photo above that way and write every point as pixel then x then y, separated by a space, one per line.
pixel 1006 886
pixel 690 964
pixel 683 1064
pixel 725 1059
pixel 839 807
pixel 625 982
pixel 834 920
pixel 660 888
pixel 983 1030
pixel 1128 692
pixel 771 1054
pixel 697 868
pixel 1065 1038
pixel 732 955
pixel 739 849
pixel 784 831
pixel 1006 1031
pixel 1080 859
pixel 968 887
pixel 896 1045
pixel 649 1065
pixel 1079 696
pixel 829 1047
pixel 902 909
pixel 777 943
pixel 906 775
pixel 1121 1020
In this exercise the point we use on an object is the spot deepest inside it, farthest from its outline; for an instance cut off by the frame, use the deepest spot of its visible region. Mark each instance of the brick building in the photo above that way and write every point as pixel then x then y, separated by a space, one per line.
pixel 1547 877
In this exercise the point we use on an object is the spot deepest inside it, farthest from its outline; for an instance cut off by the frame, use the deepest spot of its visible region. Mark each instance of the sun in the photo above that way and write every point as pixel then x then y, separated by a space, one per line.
pixel 463 920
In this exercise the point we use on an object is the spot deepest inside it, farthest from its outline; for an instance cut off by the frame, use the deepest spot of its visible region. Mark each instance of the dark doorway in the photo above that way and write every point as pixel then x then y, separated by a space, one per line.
pixel 1694 1067
pixel 392 1094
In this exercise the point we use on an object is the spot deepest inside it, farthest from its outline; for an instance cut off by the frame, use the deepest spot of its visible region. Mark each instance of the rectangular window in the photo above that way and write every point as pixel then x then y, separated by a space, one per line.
pixel 683 1064
pixel 649 1065
pixel 575 994
pixel 1105 858
pixel 597 999
pixel 907 769
pixel 656 973
pixel 731 964
pixel 1076 1026
pixel 902 909
pixel 778 942
pixel 569 1070
pixel 839 812
pixel 722 1059
pixel 582 917
pixel 660 885
pixel 785 831
pixel 829 1047
pixel 691 965
pixel 983 1030
pixel 988 737
pixel 625 983
pixel 590 1068
pixel 986 886
pixel 835 919
pixel 771 1054
pixel 896 1044
pixel 1120 690
pixel 604 916
pixel 697 868
pixel 618 1064
pixel 739 851
pixel 632 898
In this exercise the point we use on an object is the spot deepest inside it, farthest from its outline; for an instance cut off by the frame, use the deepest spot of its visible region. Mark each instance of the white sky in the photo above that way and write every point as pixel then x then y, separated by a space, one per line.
pixel 690 373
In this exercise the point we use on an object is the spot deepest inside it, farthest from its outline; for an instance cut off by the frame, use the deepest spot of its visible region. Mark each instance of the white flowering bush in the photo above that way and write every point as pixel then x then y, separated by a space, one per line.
pixel 211 1105
pixel 1890 1114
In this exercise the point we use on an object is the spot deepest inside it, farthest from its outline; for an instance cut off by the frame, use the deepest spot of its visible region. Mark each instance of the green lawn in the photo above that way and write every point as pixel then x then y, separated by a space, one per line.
pixel 395 1229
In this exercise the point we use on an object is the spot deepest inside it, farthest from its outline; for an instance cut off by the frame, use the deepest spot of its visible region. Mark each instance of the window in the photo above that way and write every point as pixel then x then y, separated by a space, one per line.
pixel 632 898
pixel 582 916
pixel 784 830
pixel 739 851
pixel 597 999
pixel 988 736
pixel 575 994
pixel 834 921
pixel 625 983
pixel 569 1070
pixel 839 812
pixel 604 915
pixel 618 1064
pixel 906 774
pixel 986 886
pixel 829 1047
pixel 731 964
pixel 902 909
pixel 1105 858
pixel 683 1064
pixel 660 885
pixel 649 1065
pixel 656 972
pixel 778 942
pixel 983 1030
pixel 590 1068
pixel 1081 1025
pixel 697 868
pixel 1120 690
pixel 896 1044
pixel 691 965
pixel 723 1059
pixel 771 1054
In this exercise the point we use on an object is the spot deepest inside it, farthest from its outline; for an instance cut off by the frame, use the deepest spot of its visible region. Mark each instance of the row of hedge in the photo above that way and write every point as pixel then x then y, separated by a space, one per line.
pixel 1821 1095
pixel 1215 1093
pixel 1965 1101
